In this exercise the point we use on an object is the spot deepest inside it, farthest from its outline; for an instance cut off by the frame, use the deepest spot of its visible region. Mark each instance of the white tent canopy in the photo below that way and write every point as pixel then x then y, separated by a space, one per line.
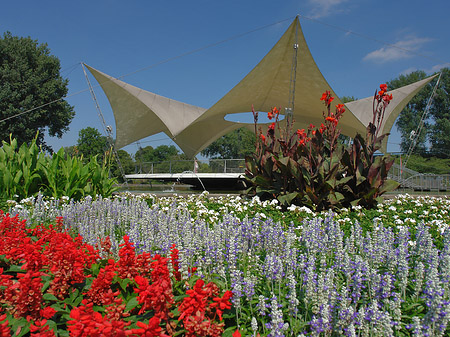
pixel 139 113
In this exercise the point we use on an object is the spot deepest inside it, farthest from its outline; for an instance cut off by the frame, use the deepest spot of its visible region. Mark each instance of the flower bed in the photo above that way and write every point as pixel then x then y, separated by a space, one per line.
pixel 384 271
pixel 54 284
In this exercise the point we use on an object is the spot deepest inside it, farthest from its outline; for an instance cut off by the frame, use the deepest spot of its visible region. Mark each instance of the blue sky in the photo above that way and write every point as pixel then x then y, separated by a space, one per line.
pixel 357 45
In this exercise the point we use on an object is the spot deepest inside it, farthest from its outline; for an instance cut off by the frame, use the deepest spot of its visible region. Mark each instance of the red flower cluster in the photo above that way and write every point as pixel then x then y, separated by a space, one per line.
pixel 273 113
pixel 302 136
pixel 326 96
pixel 40 251
pixel 130 265
pixel 87 322
pixel 174 261
pixel 157 296
pixel 382 94
pixel 196 309
pixel 63 261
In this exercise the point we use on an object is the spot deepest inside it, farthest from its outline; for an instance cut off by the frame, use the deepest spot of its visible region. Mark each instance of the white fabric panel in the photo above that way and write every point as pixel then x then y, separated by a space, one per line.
pixel 139 113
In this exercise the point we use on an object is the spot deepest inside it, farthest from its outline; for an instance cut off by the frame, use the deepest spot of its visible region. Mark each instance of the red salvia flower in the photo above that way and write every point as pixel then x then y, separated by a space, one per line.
pixel 100 292
pixel 174 259
pixel 85 322
pixel 25 295
pixel 157 296
pixel 47 312
pixel 5 331
pixel 151 329
pixel 41 329
pixel 236 333
pixel 222 303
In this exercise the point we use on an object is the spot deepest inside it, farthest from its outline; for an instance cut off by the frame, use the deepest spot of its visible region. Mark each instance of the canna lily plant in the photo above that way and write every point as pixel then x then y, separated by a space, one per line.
pixel 311 168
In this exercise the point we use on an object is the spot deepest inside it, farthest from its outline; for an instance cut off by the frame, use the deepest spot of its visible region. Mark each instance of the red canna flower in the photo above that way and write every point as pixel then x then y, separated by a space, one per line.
pixel 340 108
pixel 322 128
pixel 387 98
pixel 311 126
pixel 301 133
pixel 332 120
pixel 263 138
pixel 326 96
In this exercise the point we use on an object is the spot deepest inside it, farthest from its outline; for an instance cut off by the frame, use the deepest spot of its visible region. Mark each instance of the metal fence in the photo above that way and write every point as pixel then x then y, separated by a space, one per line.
pixel 408 178
pixel 204 166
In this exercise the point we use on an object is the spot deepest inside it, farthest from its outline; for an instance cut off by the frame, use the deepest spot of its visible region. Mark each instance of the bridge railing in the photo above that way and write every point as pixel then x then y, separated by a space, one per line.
pixel 408 178
pixel 204 166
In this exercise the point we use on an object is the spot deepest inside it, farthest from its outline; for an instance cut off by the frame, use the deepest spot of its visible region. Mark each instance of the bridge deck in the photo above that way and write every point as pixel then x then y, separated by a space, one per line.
pixel 208 180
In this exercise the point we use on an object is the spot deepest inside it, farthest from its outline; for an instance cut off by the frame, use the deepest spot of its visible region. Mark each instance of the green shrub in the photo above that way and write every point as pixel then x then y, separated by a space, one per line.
pixel 312 168
pixel 26 170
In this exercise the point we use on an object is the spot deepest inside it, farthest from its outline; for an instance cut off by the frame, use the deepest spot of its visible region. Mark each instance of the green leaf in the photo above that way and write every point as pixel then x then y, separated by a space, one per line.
pixel 49 297
pixel 286 199
pixel 388 185
pixel 16 269
pixel 131 304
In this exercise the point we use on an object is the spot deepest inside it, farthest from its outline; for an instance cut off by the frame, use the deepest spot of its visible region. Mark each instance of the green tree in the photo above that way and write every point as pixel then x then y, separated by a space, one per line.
pixel 436 128
pixel 346 99
pixel 91 143
pixel 236 144
pixel 144 154
pixel 164 152
pixel 440 112
pixel 409 118
pixel 29 79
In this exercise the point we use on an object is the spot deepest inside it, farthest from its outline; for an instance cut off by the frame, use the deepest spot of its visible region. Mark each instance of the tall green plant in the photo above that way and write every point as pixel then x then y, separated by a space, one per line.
pixel 369 173
pixel 25 171
pixel 19 169
pixel 312 168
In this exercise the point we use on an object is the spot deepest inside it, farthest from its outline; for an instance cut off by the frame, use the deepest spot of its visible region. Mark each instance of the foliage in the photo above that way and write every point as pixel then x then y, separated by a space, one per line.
pixel 158 154
pixel 427 164
pixel 127 165
pixel 312 168
pixel 436 129
pixel 26 170
pixel 59 285
pixel 30 78
pixel 144 154
pixel 234 145
pixel 91 143
pixel 440 112
pixel 381 272
pixel 20 170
